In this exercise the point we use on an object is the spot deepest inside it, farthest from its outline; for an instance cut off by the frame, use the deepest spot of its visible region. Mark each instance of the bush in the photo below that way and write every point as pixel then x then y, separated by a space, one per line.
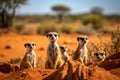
pixel 51 26
pixel 19 27
pixel 88 30
pixel 115 41
pixel 66 28
pixel 95 20
pixel 110 47
pixel 47 27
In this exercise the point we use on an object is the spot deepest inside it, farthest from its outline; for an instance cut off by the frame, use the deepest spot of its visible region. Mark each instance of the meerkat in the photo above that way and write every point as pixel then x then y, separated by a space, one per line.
pixel 29 59
pixel 64 50
pixel 54 58
pixel 81 52
pixel 99 56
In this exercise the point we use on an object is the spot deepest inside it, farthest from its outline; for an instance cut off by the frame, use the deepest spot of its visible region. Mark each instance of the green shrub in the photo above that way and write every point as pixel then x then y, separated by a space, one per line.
pixel 115 41
pixel 19 27
pixel 52 26
pixel 95 20
pixel 110 47
pixel 86 30
pixel 47 27
pixel 66 28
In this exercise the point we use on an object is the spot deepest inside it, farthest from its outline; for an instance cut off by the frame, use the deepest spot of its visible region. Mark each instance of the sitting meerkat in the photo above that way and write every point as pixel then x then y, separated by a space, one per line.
pixel 54 58
pixel 64 50
pixel 99 56
pixel 81 52
pixel 29 59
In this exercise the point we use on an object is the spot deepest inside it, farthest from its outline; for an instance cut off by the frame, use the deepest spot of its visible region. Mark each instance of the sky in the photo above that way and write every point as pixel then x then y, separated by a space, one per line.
pixel 77 6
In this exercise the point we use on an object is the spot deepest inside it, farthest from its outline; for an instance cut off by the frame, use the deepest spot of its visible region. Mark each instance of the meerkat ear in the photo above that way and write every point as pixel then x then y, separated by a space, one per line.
pixel 77 38
pixel 58 35
pixel 25 45
pixel 47 35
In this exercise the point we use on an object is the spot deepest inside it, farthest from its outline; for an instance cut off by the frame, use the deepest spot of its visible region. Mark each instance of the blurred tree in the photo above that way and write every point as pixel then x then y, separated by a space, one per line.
pixel 8 10
pixel 95 20
pixel 97 10
pixel 61 10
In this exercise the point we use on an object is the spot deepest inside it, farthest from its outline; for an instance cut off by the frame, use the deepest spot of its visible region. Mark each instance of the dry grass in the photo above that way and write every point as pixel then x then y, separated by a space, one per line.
pixel 110 47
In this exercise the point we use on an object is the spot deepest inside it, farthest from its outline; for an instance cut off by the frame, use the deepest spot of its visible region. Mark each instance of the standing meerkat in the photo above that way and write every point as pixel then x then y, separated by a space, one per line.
pixel 99 56
pixel 81 52
pixel 29 59
pixel 54 58
pixel 64 50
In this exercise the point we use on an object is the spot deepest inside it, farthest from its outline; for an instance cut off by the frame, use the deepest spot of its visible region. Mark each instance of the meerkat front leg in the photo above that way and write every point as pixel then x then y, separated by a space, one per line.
pixel 56 62
pixel 34 63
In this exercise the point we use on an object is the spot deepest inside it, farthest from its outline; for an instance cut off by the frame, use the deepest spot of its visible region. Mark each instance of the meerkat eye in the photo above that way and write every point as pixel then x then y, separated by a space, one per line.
pixel 33 44
pixel 86 38
pixel 82 39
pixel 62 47
pixel 28 45
pixel 102 54
pixel 50 35
pixel 55 35
pixel 96 54
pixel 78 39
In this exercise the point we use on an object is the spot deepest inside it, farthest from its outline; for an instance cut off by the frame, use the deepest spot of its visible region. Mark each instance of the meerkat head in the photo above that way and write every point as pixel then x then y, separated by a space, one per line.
pixel 53 36
pixel 63 49
pixel 30 45
pixel 82 39
pixel 99 55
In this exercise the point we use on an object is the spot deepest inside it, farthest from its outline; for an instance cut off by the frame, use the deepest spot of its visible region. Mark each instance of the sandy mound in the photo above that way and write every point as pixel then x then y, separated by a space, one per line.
pixel 116 71
pixel 111 62
pixel 7 68
pixel 28 74
pixel 113 56
pixel 73 70
pixel 12 72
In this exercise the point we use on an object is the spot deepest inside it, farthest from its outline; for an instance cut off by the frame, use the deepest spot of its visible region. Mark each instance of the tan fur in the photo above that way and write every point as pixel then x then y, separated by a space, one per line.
pixel 64 50
pixel 81 53
pixel 29 59
pixel 54 58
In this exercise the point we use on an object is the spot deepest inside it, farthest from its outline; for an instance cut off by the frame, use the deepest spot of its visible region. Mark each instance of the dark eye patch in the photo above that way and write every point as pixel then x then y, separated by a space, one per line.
pixel 29 45
pixel 62 47
pixel 33 44
pixel 86 38
pixel 96 54
pixel 50 35
pixel 55 35
pixel 80 38
pixel 101 54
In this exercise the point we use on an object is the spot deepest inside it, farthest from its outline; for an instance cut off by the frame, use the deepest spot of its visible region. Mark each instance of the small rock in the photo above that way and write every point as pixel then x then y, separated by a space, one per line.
pixel 8 47
pixel 42 49
pixel 68 42
pixel 5 67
